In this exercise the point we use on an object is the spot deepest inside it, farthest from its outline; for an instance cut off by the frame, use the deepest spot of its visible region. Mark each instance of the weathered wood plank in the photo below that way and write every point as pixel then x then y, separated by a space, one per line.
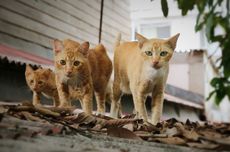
pixel 32 25
pixel 109 22
pixel 85 8
pixel 96 13
pixel 25 46
pixel 46 20
pixel 25 34
pixel 73 11
pixel 62 16
pixel 119 7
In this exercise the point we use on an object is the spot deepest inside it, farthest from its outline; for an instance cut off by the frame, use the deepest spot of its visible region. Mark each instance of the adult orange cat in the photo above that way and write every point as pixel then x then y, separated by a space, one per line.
pixel 141 68
pixel 42 81
pixel 81 72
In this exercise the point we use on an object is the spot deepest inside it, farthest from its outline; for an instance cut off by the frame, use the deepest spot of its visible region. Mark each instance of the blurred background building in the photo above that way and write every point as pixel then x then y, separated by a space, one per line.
pixel 27 28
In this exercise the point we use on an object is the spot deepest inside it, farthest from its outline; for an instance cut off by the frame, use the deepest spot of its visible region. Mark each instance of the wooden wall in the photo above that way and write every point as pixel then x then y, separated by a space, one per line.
pixel 30 25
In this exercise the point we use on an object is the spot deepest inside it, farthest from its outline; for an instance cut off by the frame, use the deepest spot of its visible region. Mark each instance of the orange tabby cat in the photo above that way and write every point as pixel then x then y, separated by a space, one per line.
pixel 141 68
pixel 42 81
pixel 80 72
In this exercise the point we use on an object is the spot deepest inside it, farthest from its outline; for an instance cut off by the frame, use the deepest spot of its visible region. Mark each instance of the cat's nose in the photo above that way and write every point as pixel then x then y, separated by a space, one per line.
pixel 68 73
pixel 155 62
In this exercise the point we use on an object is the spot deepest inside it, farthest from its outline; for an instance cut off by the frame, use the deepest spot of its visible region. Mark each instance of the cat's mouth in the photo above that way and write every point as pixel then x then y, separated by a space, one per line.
pixel 69 75
pixel 156 66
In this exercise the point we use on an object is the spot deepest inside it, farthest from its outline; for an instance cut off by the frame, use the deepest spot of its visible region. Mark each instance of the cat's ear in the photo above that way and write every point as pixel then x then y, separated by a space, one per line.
pixel 141 39
pixel 84 48
pixel 173 40
pixel 47 72
pixel 57 46
pixel 29 69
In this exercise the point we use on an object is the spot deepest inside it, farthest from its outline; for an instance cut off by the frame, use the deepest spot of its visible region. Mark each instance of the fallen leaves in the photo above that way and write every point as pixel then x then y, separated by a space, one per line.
pixel 122 133
pixel 34 120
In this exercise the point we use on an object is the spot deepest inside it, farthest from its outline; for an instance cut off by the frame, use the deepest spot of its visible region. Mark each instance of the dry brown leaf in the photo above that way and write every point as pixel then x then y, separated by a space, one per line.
pixel 3 109
pixel 119 122
pixel 29 116
pixel 223 141
pixel 122 133
pixel 202 145
pixel 171 140
pixel 189 134
pixel 131 116
pixel 80 118
pixel 171 132
pixel 148 127
pixel 103 117
pixel 211 134
pixel 130 126
pixel 46 112
pixel 143 134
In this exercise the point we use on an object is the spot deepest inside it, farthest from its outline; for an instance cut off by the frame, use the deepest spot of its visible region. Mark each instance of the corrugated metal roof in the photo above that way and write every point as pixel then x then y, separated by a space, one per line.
pixel 19 57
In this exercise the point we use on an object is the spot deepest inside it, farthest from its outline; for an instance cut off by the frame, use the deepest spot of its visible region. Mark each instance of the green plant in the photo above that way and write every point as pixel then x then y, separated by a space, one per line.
pixel 210 18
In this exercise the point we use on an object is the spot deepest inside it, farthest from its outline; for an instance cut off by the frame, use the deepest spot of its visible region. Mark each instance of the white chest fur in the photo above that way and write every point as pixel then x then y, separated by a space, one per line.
pixel 150 77
pixel 152 74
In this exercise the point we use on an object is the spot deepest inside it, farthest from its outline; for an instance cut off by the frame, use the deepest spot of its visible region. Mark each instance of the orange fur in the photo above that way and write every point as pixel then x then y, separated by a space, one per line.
pixel 42 81
pixel 141 68
pixel 90 74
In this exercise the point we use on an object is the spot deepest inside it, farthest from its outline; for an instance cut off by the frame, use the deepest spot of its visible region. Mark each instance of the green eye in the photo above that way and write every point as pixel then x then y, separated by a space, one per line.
pixel 148 53
pixel 62 62
pixel 163 53
pixel 76 63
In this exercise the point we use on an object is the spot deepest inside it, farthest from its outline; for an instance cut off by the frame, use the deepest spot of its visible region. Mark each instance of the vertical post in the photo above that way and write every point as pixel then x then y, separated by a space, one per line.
pixel 101 19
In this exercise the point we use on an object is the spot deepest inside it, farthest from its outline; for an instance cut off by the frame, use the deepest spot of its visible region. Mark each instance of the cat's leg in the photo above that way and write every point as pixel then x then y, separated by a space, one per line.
pixel 157 104
pixel 100 99
pixel 139 105
pixel 36 98
pixel 139 98
pixel 63 95
pixel 116 97
pixel 87 103
pixel 56 101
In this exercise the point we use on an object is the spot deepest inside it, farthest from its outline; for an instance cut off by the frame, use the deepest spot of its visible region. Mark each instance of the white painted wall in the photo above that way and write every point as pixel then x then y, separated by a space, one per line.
pixel 179 75
pixel 147 12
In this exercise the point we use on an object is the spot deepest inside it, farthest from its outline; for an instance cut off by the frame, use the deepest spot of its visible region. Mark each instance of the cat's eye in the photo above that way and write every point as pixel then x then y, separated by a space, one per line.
pixel 39 82
pixel 148 53
pixel 163 53
pixel 62 62
pixel 31 81
pixel 76 63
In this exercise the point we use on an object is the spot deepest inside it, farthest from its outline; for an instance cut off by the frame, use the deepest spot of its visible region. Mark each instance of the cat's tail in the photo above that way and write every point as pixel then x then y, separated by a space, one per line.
pixel 100 48
pixel 118 40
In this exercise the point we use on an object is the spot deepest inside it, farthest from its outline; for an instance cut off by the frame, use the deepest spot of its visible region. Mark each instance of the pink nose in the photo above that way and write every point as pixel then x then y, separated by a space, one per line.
pixel 155 62
pixel 68 73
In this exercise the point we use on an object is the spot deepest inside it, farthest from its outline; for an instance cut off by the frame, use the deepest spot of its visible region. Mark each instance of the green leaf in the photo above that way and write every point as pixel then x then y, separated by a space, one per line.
pixel 210 95
pixel 199 25
pixel 210 3
pixel 228 92
pixel 201 5
pixel 215 81
pixel 220 94
pixel 164 7
pixel 220 2
pixel 209 26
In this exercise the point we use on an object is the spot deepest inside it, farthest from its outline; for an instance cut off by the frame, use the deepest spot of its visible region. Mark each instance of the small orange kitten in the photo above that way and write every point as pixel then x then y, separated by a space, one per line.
pixel 141 68
pixel 42 81
pixel 81 72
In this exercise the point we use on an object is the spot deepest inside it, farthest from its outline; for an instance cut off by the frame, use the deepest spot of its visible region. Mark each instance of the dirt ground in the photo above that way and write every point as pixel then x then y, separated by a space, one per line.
pixel 92 143
pixel 26 128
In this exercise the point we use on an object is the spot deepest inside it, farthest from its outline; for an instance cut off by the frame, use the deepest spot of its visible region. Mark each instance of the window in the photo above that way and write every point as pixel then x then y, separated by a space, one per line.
pixel 153 30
